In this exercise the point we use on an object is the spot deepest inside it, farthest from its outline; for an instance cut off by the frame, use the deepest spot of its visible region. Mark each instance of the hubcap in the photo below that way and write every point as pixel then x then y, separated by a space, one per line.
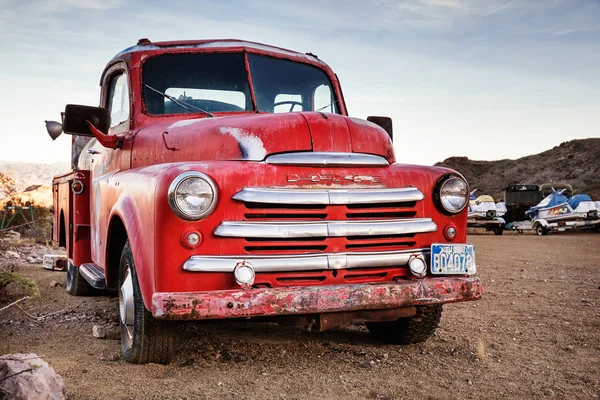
pixel 70 275
pixel 126 305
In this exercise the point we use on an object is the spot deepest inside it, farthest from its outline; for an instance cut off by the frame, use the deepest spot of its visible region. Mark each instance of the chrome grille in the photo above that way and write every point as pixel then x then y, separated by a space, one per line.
pixel 322 204
pixel 315 221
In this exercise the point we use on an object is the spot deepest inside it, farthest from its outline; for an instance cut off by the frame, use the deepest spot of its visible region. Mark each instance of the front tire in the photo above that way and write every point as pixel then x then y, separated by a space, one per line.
pixel 144 339
pixel 76 284
pixel 410 330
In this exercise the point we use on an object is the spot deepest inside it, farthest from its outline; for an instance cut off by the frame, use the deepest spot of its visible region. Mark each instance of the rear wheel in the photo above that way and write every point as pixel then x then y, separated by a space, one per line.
pixel 414 329
pixel 144 339
pixel 76 284
pixel 540 230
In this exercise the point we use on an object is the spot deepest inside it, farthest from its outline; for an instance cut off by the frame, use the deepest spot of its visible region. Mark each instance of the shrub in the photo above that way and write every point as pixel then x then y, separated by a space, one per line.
pixel 19 285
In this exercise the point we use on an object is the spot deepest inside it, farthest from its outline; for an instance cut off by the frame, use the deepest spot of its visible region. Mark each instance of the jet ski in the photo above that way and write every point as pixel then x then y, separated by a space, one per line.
pixel 558 207
pixel 485 213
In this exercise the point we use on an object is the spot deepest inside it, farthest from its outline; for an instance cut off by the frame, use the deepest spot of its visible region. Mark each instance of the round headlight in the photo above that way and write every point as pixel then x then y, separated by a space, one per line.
pixel 453 194
pixel 192 195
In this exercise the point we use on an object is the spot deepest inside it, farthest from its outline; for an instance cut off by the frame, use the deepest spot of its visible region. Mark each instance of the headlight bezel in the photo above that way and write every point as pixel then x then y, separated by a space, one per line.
pixel 437 193
pixel 172 192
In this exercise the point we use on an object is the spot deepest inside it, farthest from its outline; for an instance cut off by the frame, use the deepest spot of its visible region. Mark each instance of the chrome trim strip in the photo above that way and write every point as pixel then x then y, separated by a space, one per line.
pixel 307 229
pixel 328 196
pixel 305 262
pixel 327 159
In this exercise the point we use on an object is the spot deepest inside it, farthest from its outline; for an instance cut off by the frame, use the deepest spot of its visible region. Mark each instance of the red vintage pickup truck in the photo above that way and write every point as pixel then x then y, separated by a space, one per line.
pixel 224 179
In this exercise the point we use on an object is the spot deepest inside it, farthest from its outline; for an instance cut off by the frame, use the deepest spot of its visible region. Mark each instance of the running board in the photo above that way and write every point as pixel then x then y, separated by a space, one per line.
pixel 94 275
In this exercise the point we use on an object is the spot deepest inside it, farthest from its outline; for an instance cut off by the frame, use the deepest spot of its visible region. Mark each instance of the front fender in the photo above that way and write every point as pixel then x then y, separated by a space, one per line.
pixel 141 246
pixel 131 196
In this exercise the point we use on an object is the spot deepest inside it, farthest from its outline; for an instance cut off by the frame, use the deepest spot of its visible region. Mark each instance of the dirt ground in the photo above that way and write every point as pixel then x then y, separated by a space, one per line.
pixel 535 334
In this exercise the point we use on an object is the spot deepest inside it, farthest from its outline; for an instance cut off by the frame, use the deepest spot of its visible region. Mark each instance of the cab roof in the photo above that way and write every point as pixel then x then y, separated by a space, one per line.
pixel 146 45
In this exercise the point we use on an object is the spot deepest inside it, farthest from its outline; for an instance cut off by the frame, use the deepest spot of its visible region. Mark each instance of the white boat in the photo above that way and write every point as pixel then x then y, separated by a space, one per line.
pixel 485 213
pixel 484 207
pixel 558 207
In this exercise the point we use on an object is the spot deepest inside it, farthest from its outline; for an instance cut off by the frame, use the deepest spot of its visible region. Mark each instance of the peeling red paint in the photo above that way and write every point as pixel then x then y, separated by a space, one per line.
pixel 220 304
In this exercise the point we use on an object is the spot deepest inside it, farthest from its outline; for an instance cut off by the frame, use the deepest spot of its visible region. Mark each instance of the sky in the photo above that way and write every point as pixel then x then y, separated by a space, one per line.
pixel 485 79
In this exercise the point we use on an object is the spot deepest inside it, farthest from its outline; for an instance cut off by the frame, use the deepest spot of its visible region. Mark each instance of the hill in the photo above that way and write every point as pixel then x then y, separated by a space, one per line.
pixel 576 162
pixel 28 174
pixel 33 181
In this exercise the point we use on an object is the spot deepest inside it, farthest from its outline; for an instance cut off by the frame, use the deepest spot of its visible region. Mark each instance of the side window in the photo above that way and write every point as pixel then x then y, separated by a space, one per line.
pixel 323 100
pixel 287 103
pixel 118 100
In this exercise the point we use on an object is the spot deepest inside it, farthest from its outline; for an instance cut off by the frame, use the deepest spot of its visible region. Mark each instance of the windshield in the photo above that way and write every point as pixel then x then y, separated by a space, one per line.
pixel 185 83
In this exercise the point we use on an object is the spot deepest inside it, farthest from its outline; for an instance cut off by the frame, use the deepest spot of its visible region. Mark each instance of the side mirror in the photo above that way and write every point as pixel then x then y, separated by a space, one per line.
pixel 85 121
pixel 385 123
pixel 77 117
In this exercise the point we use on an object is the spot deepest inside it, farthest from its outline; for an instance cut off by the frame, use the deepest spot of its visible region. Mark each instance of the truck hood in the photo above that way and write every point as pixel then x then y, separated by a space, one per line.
pixel 252 137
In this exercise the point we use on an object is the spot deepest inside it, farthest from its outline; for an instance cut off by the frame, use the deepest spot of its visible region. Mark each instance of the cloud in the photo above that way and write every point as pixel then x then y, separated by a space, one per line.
pixel 67 5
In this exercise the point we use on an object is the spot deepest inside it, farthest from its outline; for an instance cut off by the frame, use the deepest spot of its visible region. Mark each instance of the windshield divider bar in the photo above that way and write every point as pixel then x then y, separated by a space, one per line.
pixel 250 84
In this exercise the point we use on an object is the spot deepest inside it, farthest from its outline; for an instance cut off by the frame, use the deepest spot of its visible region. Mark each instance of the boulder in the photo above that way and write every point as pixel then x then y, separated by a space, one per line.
pixel 27 376
pixel 12 254
pixel 12 236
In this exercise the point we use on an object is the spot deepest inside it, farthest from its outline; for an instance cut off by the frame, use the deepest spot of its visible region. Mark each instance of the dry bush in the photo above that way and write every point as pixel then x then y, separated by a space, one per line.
pixel 15 285
pixel 41 229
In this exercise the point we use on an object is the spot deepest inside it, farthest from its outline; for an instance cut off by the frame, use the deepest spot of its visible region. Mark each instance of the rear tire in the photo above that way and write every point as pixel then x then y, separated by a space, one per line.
pixel 144 339
pixel 540 230
pixel 76 284
pixel 408 330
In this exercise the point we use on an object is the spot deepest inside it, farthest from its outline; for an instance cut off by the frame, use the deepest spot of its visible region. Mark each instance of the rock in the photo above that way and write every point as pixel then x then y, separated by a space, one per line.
pixel 12 254
pixel 54 284
pixel 31 378
pixel 12 236
pixel 548 392
pixel 99 332
pixel 367 364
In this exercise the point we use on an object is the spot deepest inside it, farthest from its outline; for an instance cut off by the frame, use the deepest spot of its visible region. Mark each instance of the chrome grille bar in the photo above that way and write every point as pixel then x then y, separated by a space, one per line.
pixel 328 196
pixel 329 159
pixel 290 230
pixel 305 262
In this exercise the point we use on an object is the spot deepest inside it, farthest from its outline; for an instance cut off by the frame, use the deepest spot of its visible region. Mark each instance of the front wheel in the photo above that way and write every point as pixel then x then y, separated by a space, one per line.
pixel 414 329
pixel 144 339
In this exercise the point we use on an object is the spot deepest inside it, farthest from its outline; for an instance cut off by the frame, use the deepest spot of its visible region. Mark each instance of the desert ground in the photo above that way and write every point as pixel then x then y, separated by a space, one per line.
pixel 535 334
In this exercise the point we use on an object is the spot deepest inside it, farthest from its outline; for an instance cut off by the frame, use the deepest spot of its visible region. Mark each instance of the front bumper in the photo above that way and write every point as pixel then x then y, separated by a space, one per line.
pixel 263 302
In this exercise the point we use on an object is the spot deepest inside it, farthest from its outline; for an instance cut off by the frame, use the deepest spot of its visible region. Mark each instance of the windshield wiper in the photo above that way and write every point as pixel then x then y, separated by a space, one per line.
pixel 328 105
pixel 180 103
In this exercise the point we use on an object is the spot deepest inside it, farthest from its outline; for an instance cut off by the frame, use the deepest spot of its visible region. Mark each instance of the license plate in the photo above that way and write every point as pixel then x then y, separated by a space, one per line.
pixel 452 259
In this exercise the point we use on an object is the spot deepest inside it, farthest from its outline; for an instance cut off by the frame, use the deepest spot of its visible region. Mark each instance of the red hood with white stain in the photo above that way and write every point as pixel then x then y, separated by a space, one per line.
pixel 256 136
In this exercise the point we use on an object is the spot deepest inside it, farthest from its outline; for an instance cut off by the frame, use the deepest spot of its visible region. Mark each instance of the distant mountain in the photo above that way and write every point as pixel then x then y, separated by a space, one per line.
pixel 27 174
pixel 576 162
pixel 33 180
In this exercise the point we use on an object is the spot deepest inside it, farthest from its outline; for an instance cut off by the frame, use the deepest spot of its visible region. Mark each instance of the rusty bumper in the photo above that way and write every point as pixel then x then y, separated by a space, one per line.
pixel 314 299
